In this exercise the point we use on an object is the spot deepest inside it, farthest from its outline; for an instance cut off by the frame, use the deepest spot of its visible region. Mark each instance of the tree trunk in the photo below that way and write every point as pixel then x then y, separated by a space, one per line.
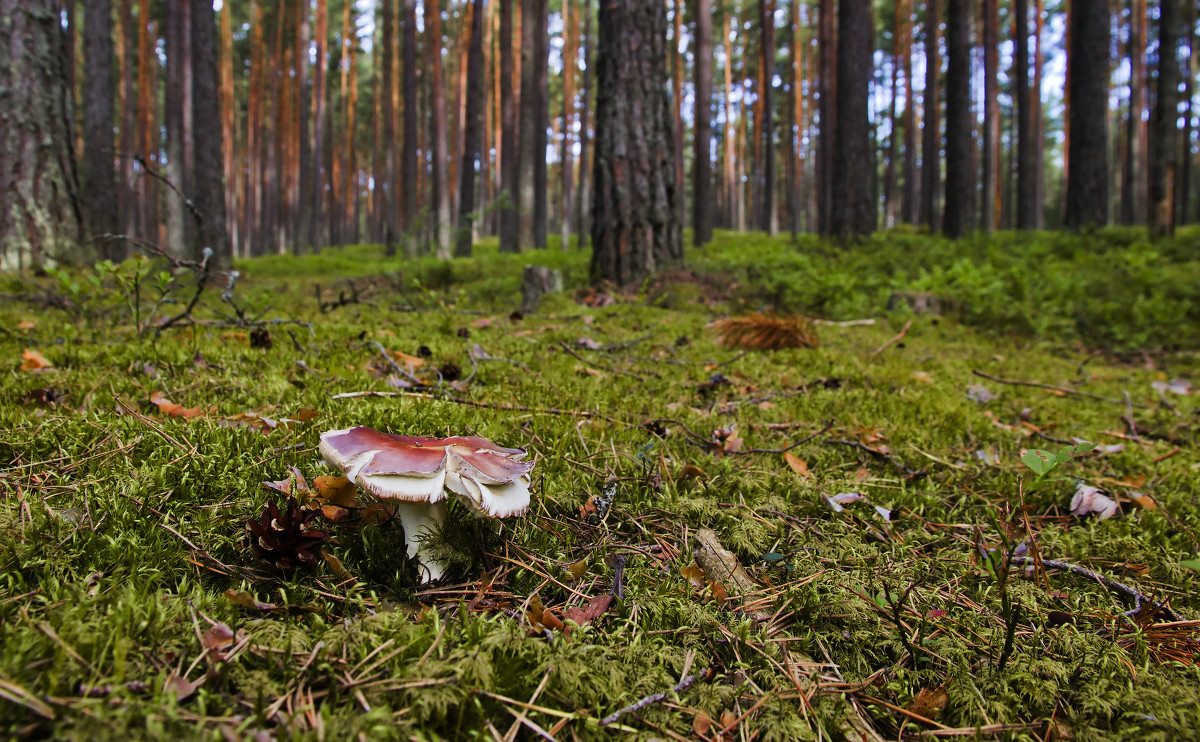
pixel 1026 158
pixel 509 173
pixel 795 119
pixel 827 47
pixel 908 204
pixel 853 213
pixel 527 142
pixel 568 96
pixel 931 139
pixel 701 158
pixel 148 141
pixel 438 128
pixel 1087 188
pixel 767 218
pixel 583 202
pixel 40 219
pixel 475 99
pixel 206 113
pixel 1183 184
pixel 128 193
pixel 99 176
pixel 408 186
pixel 889 174
pixel 177 114
pixel 317 169
pixel 960 174
pixel 1164 147
pixel 676 56
pixel 387 84
pixel 541 123
pixel 1133 185
pixel 730 128
pixel 228 126
pixel 635 230
pixel 991 117
pixel 1039 122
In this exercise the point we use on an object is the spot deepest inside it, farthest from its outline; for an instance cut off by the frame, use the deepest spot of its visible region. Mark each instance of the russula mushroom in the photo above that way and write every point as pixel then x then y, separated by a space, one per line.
pixel 416 472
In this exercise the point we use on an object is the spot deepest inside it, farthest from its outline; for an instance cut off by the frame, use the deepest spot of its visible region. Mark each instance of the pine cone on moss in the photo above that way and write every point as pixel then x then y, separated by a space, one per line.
pixel 284 538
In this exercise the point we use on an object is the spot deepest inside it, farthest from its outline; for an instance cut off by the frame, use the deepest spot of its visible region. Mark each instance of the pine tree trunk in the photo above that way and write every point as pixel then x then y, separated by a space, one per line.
pixel 147 138
pixel 317 174
pixel 636 229
pixel 889 173
pixel 930 147
pixel 908 204
pixel 1039 123
pixel 568 97
pixel 1183 184
pixel 387 84
pixel 1026 158
pixel 177 114
pixel 541 141
pixel 701 158
pixel 767 217
pixel 126 41
pixel 853 213
pixel 509 174
pixel 438 128
pixel 991 117
pixel 207 182
pixel 676 57
pixel 475 99
pixel 827 47
pixel 526 144
pixel 1087 188
pixel 408 165
pixel 228 125
pixel 1164 147
pixel 1133 185
pixel 40 219
pixel 101 215
pixel 730 129
pixel 583 202
pixel 960 181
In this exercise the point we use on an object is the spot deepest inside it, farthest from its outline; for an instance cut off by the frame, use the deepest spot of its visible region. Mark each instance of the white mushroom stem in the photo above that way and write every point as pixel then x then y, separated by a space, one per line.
pixel 420 520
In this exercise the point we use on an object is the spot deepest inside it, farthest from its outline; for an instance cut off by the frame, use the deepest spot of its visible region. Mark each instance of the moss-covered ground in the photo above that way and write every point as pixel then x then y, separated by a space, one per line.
pixel 122 520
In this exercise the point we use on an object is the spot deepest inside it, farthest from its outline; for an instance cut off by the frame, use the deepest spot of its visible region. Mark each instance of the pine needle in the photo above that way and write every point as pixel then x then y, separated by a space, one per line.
pixel 766 332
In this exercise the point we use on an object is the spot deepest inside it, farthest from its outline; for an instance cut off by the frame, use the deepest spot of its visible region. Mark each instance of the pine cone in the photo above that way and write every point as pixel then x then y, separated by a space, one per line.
pixel 284 538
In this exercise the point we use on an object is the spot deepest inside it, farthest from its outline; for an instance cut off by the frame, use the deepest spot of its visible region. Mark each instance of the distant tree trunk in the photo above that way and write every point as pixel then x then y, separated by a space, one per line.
pixel 853 213
pixel 541 127
pixel 931 145
pixel 827 48
pixel 701 158
pixel 475 100
pixel 40 219
pixel 960 175
pixel 794 119
pixel 147 139
pixel 127 41
pixel 908 205
pixel 1164 147
pixel 1039 122
pixel 527 140
pixel 1183 184
pixel 635 229
pixel 387 180
pixel 677 64
pixel 208 184
pixel 177 114
pixel 991 116
pixel 509 174
pixel 408 182
pixel 730 128
pixel 568 97
pixel 1026 156
pixel 1133 185
pixel 317 169
pixel 228 126
pixel 437 128
pixel 1087 188
pixel 99 176
pixel 583 202
pixel 767 217
pixel 889 173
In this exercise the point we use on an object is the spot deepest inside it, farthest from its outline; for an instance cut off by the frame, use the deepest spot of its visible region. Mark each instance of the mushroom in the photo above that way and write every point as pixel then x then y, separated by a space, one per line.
pixel 416 472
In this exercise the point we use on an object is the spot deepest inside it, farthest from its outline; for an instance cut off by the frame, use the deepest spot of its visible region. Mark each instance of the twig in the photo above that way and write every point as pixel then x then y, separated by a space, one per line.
pixel 395 366
pixel 655 698
pixel 1049 387
pixel 201 281
pixel 845 323
pixel 601 366
pixel 1117 587
pixel 900 335
pixel 908 473
pixel 802 441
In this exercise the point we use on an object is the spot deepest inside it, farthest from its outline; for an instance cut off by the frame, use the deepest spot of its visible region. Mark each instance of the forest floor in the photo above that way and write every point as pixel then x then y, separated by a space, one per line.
pixel 898 572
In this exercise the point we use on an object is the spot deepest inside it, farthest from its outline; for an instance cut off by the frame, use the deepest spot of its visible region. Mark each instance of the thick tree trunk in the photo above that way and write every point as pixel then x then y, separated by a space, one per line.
pixel 583 202
pixel 127 40
pixel 1164 147
pixel 730 128
pixel 1039 121
pixel 889 173
pixel 527 140
pixel 1133 183
pixel 148 140
pixel 991 117
pixel 209 190
pixel 702 205
pixel 1026 150
pixel 908 205
pixel 635 225
pixel 408 177
pixel 568 96
pixel 437 129
pixel 99 176
pixel 541 124
pixel 676 56
pixel 509 172
pixel 475 100
pixel 317 169
pixel 228 126
pixel 1183 184
pixel 853 213
pixel 1087 187
pixel 388 111
pixel 767 217
pixel 178 119
pixel 40 220
pixel 960 174
pixel 827 48
pixel 931 140
pixel 795 119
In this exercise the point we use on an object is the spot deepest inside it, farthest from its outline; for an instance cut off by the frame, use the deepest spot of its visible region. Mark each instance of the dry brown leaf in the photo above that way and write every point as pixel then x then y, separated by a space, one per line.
pixel 766 332
pixel 929 702
pixel 335 565
pixel 336 491
pixel 171 409
pixel 727 718
pixel 692 471
pixel 551 621
pixel 701 724
pixel 577 569
pixel 26 325
pixel 33 360
pixel 404 359
pixel 595 608
pixel 799 465
pixel 694 575
pixel 1145 502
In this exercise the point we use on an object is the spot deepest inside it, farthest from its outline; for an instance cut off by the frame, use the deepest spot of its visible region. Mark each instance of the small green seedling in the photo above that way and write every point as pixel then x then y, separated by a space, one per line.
pixel 1043 463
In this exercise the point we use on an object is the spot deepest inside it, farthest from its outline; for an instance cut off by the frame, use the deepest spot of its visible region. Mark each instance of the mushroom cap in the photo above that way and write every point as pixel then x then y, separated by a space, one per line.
pixel 490 479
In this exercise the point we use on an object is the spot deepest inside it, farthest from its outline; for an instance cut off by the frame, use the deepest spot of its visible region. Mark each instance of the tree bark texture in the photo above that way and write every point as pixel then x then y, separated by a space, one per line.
pixel 959 215
pixel 767 218
pixel 1026 149
pixel 40 218
pixel 827 111
pixel 408 186
pixel 931 175
pixel 853 213
pixel 566 176
pixel 908 202
pixel 583 201
pixel 526 138
pixel 991 116
pixel 635 217
pixel 177 116
pixel 1087 185
pixel 509 166
pixel 207 182
pixel 702 206
pixel 541 124
pixel 1164 148
pixel 437 129
pixel 99 175
pixel 1133 183
pixel 475 101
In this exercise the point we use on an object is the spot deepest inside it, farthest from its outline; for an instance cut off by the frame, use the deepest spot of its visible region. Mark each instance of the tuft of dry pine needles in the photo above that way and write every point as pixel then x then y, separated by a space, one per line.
pixel 760 331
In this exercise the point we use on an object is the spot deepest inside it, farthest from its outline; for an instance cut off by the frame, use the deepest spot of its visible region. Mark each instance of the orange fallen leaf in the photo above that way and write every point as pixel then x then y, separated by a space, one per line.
pixel 336 491
pixel 35 361
pixel 404 359
pixel 26 325
pixel 171 409
pixel 799 465
pixel 234 335
pixel 1145 502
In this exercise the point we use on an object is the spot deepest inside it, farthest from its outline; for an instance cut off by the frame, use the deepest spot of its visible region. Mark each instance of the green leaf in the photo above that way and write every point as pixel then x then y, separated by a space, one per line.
pixel 772 556
pixel 1040 461
pixel 1192 564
